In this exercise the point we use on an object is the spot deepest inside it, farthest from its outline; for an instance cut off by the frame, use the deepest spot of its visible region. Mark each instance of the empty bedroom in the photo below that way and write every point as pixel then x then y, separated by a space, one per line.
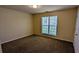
pixel 39 28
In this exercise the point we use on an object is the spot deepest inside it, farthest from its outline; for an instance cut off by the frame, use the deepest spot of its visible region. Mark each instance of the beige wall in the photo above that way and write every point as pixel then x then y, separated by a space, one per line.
pixel 14 24
pixel 66 23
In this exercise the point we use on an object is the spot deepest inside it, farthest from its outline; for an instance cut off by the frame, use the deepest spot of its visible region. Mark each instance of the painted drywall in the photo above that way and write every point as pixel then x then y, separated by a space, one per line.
pixel 76 37
pixel 14 24
pixel 66 23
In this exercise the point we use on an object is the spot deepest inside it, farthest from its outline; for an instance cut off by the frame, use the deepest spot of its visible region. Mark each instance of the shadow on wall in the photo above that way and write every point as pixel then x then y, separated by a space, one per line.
pixel 0 48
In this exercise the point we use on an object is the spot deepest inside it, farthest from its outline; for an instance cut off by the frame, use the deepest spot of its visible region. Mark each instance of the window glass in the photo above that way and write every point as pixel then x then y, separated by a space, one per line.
pixel 49 25
pixel 45 29
pixel 44 20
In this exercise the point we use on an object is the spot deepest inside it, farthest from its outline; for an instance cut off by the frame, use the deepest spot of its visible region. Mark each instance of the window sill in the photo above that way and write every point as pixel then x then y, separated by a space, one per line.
pixel 48 35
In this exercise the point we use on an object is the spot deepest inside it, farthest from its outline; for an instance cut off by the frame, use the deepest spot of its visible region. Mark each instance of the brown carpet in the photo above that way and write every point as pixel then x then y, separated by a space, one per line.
pixel 37 44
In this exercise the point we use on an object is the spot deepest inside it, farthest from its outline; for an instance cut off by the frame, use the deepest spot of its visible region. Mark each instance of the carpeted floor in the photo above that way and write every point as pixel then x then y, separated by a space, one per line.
pixel 37 44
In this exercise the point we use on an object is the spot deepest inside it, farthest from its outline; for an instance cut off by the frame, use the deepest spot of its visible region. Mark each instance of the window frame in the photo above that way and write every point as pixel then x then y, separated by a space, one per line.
pixel 49 26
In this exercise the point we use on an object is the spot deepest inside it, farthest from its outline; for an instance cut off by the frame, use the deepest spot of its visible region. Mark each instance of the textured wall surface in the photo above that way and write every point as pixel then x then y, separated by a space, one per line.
pixel 14 24
pixel 66 23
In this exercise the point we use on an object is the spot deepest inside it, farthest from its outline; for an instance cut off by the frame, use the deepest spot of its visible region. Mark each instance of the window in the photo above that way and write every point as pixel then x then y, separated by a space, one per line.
pixel 49 25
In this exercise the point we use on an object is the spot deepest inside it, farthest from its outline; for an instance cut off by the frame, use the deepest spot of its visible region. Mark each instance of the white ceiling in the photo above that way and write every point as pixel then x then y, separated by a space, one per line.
pixel 42 8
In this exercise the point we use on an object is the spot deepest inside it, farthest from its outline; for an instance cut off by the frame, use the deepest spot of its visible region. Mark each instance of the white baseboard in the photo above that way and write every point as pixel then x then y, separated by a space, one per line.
pixel 15 38
pixel 68 40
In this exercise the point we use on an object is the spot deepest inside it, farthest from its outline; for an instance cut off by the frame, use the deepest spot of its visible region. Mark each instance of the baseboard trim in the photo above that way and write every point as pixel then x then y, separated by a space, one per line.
pixel 40 36
pixel 17 39
pixel 51 38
